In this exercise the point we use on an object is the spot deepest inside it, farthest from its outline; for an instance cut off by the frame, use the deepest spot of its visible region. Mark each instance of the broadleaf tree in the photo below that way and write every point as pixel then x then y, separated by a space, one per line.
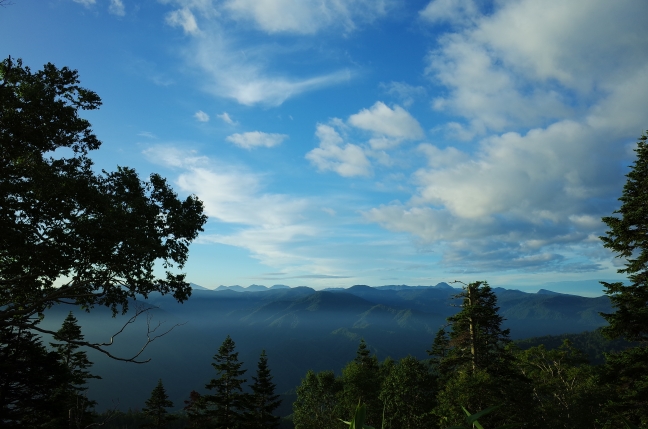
pixel 98 234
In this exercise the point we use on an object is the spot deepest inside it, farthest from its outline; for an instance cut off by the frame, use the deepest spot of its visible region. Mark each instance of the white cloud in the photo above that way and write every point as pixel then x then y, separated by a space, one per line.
pixel 183 18
pixel 117 8
pixel 147 134
pixel 530 63
pixel 234 68
pixel 404 92
pixel 172 156
pixel 201 116
pixel 305 16
pixel 240 73
pixel 269 225
pixel 555 90
pixel 333 154
pixel 85 2
pixel 254 139
pixel 380 119
pixel 226 118
pixel 453 11
pixel 231 194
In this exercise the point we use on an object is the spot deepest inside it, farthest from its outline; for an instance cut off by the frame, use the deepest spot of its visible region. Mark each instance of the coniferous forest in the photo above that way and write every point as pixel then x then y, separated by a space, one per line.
pixel 103 232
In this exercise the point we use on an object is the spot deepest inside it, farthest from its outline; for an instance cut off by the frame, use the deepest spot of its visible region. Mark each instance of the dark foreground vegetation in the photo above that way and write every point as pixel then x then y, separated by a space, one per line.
pixel 73 237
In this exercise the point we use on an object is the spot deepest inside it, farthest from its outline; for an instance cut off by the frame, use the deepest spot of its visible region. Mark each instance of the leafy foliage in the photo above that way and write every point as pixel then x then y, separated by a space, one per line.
pixel 566 389
pixel 361 380
pixel 102 232
pixel 317 405
pixel 408 393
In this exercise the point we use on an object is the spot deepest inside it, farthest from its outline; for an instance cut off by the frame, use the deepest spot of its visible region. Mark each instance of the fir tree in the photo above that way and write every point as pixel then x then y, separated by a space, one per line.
pixel 30 380
pixel 263 401
pixel 477 341
pixel 440 348
pixel 228 403
pixel 478 370
pixel 195 410
pixel 155 409
pixel 72 393
pixel 628 237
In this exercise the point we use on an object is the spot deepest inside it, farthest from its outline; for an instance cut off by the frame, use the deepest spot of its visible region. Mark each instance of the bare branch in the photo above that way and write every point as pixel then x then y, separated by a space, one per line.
pixel 100 346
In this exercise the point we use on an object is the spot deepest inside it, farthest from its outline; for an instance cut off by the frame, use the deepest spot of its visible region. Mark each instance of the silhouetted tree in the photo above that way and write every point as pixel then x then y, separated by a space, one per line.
pixel 227 405
pixel 155 409
pixel 71 395
pixel 263 401
pixel 103 233
pixel 30 376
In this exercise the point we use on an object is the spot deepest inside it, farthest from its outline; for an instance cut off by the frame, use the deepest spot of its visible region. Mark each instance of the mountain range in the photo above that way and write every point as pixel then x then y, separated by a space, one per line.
pixel 300 328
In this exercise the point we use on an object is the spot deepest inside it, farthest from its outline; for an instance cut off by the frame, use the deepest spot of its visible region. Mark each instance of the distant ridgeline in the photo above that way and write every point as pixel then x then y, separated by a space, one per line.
pixel 300 329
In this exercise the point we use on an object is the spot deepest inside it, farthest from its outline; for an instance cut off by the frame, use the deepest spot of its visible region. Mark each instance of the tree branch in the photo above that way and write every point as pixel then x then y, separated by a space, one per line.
pixel 100 346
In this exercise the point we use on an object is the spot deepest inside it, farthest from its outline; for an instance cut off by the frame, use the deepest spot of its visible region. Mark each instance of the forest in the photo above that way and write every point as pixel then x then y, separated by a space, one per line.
pixel 72 236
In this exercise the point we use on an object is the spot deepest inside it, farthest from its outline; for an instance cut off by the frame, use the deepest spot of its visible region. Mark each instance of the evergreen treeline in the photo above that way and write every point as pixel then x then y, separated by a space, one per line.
pixel 474 365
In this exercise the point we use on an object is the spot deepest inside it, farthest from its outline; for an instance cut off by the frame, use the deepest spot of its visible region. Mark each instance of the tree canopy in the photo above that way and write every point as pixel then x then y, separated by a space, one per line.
pixel 71 235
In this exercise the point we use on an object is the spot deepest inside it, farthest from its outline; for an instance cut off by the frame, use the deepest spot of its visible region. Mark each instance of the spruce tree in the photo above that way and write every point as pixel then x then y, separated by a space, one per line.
pixel 263 401
pixel 30 381
pixel 478 370
pixel 477 341
pixel 195 410
pixel 72 393
pixel 155 409
pixel 227 405
pixel 628 237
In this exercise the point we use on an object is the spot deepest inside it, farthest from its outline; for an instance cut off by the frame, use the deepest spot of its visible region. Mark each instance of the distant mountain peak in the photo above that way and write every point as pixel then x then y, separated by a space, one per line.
pixel 279 287
pixel 443 285
pixel 548 292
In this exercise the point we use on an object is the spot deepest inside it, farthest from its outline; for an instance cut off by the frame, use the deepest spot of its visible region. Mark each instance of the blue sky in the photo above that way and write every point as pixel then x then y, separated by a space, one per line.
pixel 341 142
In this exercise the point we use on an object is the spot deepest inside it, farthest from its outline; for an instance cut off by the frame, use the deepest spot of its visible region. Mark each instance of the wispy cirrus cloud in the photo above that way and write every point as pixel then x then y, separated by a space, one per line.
pixel 255 139
pixel 249 73
pixel 306 16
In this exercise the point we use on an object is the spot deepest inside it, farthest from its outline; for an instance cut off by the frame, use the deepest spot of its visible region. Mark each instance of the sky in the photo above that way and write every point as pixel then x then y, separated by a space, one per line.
pixel 342 142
